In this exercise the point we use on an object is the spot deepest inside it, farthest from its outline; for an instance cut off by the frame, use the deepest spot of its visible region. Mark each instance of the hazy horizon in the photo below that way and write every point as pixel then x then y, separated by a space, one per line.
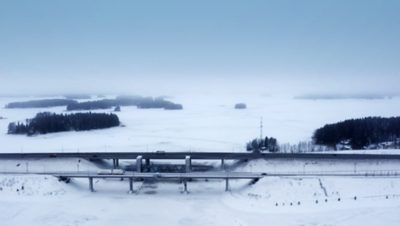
pixel 180 47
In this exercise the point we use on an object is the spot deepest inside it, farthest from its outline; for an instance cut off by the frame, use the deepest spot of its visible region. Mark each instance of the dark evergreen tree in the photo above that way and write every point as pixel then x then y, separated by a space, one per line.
pixel 12 128
pixel 272 145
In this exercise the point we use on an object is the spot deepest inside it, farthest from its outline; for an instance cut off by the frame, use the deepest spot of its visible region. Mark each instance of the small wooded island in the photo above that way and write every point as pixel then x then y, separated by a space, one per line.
pixel 47 122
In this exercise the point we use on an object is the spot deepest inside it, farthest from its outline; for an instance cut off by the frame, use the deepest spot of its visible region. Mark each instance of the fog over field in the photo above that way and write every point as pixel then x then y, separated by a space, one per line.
pixel 203 85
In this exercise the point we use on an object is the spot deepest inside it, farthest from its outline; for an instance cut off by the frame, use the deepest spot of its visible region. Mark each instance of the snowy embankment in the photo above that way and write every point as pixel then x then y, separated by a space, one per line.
pixel 57 204
pixel 43 200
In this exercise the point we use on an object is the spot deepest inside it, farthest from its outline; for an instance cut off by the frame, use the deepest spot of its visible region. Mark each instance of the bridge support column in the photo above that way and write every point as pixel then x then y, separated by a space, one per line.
pixel 222 164
pixel 226 184
pixel 185 186
pixel 188 164
pixel 115 163
pixel 139 164
pixel 91 184
pixel 147 163
pixel 131 185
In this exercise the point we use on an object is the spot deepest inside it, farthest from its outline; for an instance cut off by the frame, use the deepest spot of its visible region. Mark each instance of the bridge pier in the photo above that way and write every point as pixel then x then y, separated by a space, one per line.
pixel 222 164
pixel 115 163
pixel 226 184
pixel 188 164
pixel 185 186
pixel 131 185
pixel 91 184
pixel 147 164
pixel 139 164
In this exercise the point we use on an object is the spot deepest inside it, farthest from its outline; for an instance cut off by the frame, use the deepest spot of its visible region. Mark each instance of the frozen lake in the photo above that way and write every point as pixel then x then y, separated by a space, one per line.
pixel 207 123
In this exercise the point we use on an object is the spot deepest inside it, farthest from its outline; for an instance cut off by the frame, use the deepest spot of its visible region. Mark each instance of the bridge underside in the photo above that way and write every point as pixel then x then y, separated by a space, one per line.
pixel 184 177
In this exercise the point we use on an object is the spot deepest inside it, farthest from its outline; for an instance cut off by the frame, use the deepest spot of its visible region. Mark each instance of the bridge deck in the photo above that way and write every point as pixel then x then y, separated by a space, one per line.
pixel 198 155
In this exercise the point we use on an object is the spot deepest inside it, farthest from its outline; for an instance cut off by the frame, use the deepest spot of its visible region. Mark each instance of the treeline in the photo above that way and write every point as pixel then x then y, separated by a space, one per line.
pixel 73 105
pixel 140 102
pixel 47 122
pixel 269 144
pixel 41 103
pixel 78 96
pixel 359 133
pixel 91 105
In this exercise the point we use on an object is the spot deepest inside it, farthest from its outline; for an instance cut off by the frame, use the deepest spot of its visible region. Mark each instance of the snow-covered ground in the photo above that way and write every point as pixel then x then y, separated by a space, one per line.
pixel 204 125
pixel 43 200
pixel 67 206
pixel 207 123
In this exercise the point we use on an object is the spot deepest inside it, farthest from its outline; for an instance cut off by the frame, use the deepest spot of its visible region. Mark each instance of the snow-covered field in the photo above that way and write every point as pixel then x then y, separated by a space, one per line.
pixel 43 200
pixel 69 205
pixel 203 125
pixel 207 123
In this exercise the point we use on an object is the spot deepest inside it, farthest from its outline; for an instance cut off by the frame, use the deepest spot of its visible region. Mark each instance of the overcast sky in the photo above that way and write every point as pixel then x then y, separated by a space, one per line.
pixel 162 46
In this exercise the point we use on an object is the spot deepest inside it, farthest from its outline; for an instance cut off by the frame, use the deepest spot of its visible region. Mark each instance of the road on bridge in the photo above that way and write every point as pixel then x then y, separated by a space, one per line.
pixel 198 155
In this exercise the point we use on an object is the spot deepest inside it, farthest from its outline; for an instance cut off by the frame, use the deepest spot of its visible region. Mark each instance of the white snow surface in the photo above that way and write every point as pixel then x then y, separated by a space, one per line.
pixel 203 125
pixel 207 123
pixel 43 200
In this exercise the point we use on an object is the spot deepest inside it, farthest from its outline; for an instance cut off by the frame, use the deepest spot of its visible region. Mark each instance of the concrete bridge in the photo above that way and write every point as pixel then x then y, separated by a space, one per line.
pixel 185 177
pixel 139 157
pixel 197 155
pixel 147 156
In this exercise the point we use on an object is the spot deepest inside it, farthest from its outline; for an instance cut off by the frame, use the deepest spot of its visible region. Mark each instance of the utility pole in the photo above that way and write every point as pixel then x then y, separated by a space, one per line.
pixel 261 128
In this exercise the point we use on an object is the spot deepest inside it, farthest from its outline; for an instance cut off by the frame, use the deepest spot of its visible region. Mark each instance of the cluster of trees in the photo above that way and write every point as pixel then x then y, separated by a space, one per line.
pixel 73 105
pixel 140 102
pixel 269 144
pixel 240 106
pixel 359 133
pixel 41 103
pixel 78 96
pixel 47 122
pixel 91 105
pixel 160 103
